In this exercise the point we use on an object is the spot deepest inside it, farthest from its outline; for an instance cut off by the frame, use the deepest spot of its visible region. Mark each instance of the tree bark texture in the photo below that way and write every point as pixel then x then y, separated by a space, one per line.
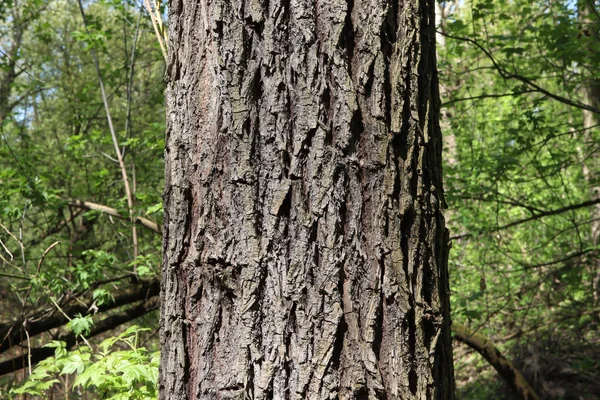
pixel 305 253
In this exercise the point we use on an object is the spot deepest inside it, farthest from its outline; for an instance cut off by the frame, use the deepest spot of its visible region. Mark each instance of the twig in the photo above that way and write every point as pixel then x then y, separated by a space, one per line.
pixel 67 317
pixel 26 299
pixel 21 234
pixel 533 217
pixel 6 274
pixel 128 130
pixel 157 24
pixel 6 249
pixel 53 245
pixel 113 212
pixel 21 68
pixel 111 127
pixel 11 235
pixel 488 96
pixel 507 75
pixel 28 351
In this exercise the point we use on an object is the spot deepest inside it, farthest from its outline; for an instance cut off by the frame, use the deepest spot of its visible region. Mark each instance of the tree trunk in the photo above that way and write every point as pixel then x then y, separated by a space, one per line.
pixel 591 165
pixel 305 253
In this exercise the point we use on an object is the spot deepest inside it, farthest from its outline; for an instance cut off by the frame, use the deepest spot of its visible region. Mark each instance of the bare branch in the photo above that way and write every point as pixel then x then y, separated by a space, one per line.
pixel 532 218
pixel 153 226
pixel 505 368
pixel 508 75
pixel 20 67
pixel 488 96
pixel 157 24
pixel 113 135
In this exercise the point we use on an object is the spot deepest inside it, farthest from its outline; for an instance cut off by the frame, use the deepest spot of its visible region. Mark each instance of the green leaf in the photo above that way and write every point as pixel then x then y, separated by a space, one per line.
pixel 102 296
pixel 133 373
pixel 81 325
pixel 75 362
pixel 155 208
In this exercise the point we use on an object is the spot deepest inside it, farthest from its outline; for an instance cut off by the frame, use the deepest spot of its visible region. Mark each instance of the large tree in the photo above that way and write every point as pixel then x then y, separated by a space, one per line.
pixel 305 253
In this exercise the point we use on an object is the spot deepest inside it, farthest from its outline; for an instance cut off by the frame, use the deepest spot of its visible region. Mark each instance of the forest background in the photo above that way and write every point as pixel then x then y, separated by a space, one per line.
pixel 82 125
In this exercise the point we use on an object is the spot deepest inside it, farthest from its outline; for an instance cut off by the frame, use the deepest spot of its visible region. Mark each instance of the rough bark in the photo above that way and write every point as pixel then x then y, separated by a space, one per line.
pixel 511 375
pixel 305 253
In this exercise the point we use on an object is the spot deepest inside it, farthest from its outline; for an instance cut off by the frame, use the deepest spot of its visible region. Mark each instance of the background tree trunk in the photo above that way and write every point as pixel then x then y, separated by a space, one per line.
pixel 591 162
pixel 305 253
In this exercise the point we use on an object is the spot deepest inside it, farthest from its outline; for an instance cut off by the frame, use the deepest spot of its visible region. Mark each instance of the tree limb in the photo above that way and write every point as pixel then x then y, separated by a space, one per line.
pixel 113 135
pixel 153 226
pixel 12 334
pixel 505 368
pixel 507 75
pixel 40 353
pixel 533 217
pixel 488 96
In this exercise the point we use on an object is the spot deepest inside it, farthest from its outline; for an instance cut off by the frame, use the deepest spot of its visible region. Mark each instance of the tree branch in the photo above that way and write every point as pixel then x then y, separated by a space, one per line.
pixel 153 226
pixel 505 368
pixel 508 75
pixel 12 334
pixel 488 96
pixel 40 353
pixel 532 218
pixel 113 135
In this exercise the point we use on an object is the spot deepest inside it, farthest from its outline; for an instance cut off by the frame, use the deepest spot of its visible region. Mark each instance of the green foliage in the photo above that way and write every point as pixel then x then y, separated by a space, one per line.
pixel 55 145
pixel 119 369
pixel 102 296
pixel 56 150
pixel 146 266
pixel 517 149
pixel 81 325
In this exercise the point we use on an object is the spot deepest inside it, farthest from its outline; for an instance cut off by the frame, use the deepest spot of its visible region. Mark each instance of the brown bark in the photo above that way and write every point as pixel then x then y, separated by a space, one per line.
pixel 305 254
pixel 505 368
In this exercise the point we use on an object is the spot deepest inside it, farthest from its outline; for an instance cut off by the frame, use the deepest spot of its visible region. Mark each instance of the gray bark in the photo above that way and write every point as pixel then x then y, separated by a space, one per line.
pixel 305 253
